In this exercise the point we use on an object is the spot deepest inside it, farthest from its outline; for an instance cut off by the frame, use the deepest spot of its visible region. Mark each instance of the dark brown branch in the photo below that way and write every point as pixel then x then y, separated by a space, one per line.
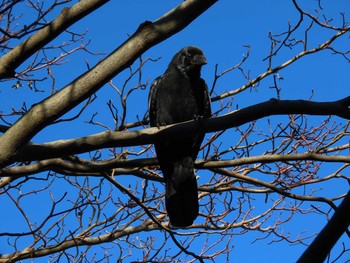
pixel 326 239
pixel 148 136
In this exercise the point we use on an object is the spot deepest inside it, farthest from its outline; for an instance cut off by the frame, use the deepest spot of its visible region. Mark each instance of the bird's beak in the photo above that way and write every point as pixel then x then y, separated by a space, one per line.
pixel 199 60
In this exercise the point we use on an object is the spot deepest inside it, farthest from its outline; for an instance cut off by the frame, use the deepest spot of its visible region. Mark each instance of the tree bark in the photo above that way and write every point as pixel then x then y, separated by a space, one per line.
pixel 326 239
pixel 14 58
pixel 108 139
pixel 147 35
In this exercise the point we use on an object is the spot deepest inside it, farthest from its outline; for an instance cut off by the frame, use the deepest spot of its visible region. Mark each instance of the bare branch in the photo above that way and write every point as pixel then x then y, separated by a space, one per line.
pixel 151 135
pixel 148 35
pixel 271 71
pixel 68 16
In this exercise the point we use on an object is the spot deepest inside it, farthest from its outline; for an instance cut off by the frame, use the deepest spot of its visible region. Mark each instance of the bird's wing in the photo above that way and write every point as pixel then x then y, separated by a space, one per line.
pixel 206 101
pixel 152 101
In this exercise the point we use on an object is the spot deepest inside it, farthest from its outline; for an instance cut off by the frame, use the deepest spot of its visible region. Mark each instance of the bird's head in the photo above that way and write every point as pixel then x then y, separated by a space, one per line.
pixel 189 60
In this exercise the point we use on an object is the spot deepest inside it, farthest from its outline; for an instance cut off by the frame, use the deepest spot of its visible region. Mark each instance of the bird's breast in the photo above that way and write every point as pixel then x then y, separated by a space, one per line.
pixel 178 105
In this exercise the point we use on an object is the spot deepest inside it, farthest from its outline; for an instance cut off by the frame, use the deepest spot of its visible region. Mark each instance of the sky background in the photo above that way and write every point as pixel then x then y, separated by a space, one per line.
pixel 222 32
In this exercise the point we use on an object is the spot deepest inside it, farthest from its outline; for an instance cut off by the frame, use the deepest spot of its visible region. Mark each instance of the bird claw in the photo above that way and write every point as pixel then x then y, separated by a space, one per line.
pixel 198 117
pixel 160 125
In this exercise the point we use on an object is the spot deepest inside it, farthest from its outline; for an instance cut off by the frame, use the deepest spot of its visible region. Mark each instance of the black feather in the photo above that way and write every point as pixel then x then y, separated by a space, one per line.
pixel 180 94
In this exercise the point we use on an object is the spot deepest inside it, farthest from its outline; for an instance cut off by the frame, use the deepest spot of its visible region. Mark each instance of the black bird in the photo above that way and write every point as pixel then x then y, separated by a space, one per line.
pixel 179 95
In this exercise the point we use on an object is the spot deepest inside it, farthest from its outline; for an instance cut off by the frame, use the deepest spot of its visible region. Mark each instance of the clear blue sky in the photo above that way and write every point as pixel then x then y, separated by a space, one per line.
pixel 222 32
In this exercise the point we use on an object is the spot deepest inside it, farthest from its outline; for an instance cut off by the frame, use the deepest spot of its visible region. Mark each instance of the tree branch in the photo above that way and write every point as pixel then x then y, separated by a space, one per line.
pixel 204 164
pixel 79 240
pixel 132 166
pixel 13 59
pixel 326 239
pixel 284 65
pixel 147 35
pixel 151 135
pixel 274 188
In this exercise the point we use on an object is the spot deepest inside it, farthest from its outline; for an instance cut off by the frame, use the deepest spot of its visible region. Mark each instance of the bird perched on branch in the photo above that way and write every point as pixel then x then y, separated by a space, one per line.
pixel 179 95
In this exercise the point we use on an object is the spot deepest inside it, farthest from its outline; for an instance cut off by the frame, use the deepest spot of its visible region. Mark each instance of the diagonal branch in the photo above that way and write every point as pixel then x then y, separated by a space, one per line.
pixel 79 240
pixel 271 71
pixel 13 59
pixel 147 35
pixel 326 239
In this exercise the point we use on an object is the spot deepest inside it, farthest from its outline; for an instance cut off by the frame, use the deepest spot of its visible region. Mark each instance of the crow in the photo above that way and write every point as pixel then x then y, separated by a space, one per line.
pixel 179 95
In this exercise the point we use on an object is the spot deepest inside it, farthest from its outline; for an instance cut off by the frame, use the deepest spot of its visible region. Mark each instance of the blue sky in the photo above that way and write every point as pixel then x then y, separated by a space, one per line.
pixel 222 32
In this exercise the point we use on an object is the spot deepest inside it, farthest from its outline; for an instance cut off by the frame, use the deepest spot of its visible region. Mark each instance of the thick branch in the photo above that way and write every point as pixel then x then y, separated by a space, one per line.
pixel 132 166
pixel 326 239
pixel 148 35
pixel 68 16
pixel 70 167
pixel 271 159
pixel 151 135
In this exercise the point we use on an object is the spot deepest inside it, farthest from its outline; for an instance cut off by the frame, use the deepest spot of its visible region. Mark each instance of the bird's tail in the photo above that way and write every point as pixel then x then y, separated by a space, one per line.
pixel 182 193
